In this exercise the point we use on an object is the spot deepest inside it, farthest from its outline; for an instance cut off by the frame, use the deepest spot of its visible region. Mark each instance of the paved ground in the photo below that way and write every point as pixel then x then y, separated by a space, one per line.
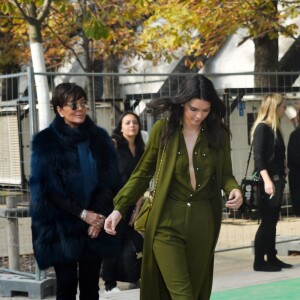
pixel 233 269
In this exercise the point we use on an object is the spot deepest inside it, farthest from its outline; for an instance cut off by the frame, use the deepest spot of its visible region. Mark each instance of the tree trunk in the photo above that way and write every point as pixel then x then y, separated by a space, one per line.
pixel 39 66
pixel 111 86
pixel 88 53
pixel 266 60
pixel 91 98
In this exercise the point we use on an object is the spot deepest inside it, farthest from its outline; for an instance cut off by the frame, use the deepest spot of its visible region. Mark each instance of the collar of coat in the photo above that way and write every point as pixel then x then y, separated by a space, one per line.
pixel 73 135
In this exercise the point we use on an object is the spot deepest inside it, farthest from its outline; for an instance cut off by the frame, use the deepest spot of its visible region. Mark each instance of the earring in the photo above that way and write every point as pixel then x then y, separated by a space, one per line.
pixel 62 116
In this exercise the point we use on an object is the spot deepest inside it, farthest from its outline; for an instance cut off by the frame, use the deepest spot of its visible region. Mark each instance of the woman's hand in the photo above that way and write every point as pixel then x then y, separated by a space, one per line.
pixel 112 221
pixel 93 232
pixel 94 219
pixel 235 199
pixel 268 183
pixel 269 187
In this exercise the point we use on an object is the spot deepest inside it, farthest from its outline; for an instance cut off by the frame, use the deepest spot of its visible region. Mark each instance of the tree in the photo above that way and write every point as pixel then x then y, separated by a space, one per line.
pixel 34 18
pixel 14 31
pixel 10 54
pixel 106 31
pixel 90 31
pixel 199 29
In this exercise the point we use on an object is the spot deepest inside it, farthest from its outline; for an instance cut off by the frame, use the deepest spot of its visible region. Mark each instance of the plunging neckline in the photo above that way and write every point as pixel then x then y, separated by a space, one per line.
pixel 190 142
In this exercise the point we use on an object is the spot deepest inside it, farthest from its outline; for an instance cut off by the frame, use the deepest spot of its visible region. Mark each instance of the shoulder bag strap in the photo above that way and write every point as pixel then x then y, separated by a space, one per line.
pixel 248 161
pixel 158 171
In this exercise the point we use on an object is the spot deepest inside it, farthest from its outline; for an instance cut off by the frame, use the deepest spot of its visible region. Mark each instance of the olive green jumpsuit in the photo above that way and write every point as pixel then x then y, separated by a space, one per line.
pixel 184 224
pixel 183 241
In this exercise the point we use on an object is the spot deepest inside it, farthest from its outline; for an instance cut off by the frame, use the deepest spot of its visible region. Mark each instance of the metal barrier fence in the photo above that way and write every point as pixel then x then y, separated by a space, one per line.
pixel 111 95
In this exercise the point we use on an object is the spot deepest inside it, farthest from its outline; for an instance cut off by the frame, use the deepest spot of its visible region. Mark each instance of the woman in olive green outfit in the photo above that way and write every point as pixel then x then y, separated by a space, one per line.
pixel 185 220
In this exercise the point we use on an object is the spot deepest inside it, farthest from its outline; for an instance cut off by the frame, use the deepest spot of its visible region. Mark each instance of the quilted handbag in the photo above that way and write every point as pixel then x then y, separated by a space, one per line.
pixel 142 218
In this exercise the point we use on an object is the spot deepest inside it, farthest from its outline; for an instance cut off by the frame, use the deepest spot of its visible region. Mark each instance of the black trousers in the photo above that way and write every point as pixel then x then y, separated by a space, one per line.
pixel 295 191
pixel 109 264
pixel 85 272
pixel 265 238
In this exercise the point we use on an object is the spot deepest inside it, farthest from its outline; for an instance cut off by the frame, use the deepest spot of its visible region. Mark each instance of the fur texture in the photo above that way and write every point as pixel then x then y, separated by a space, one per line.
pixel 58 236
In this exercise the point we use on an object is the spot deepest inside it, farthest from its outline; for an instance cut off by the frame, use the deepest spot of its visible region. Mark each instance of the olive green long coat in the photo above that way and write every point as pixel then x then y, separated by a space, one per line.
pixel 152 284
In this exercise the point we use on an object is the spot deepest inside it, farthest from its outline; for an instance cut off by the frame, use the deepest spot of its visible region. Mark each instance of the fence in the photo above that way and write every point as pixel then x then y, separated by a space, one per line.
pixel 111 94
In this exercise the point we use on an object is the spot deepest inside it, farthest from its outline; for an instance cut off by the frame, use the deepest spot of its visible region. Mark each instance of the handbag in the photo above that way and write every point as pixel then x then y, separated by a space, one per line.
pixel 129 263
pixel 142 218
pixel 252 188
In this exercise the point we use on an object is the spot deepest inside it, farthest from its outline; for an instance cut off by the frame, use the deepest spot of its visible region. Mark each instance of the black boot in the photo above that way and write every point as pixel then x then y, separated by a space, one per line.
pixel 260 249
pixel 278 263
pixel 266 267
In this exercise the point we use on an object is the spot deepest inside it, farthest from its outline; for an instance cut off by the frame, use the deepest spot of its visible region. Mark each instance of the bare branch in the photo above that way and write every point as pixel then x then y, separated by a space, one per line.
pixel 68 47
pixel 278 26
pixel 45 11
pixel 23 13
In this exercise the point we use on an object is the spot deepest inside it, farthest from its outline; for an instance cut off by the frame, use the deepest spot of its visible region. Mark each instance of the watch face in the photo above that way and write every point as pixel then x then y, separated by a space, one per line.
pixel 248 195
pixel 248 187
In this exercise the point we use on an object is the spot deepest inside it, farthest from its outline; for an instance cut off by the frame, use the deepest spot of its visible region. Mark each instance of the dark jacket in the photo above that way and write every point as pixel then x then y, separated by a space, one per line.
pixel 293 158
pixel 127 164
pixel 293 153
pixel 268 151
pixel 58 234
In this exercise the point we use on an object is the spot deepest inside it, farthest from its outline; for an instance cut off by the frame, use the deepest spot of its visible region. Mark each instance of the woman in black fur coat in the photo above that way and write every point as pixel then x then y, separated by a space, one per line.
pixel 74 176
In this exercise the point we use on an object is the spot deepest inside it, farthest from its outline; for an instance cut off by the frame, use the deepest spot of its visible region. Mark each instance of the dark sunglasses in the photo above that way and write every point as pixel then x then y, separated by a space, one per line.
pixel 77 105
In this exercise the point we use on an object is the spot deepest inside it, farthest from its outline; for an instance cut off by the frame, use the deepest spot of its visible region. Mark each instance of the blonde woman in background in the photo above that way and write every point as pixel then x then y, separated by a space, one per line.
pixel 270 163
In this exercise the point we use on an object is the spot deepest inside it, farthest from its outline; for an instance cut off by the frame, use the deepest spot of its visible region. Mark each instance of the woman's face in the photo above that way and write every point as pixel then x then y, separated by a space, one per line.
pixel 130 126
pixel 195 111
pixel 74 113
pixel 280 110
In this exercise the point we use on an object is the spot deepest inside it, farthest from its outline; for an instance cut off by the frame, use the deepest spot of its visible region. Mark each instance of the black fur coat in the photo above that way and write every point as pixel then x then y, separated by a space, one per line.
pixel 59 236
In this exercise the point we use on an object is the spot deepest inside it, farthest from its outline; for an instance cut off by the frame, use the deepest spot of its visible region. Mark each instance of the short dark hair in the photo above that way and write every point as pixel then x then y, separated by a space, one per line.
pixel 66 92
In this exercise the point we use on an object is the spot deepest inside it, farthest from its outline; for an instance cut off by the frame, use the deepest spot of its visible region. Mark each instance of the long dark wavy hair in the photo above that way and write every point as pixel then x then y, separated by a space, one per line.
pixel 199 87
pixel 119 138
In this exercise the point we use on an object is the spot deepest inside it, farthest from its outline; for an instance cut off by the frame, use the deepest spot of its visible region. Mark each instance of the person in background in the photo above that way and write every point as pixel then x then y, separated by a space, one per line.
pixel 74 177
pixel 130 147
pixel 270 163
pixel 291 113
pixel 184 223
pixel 293 159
